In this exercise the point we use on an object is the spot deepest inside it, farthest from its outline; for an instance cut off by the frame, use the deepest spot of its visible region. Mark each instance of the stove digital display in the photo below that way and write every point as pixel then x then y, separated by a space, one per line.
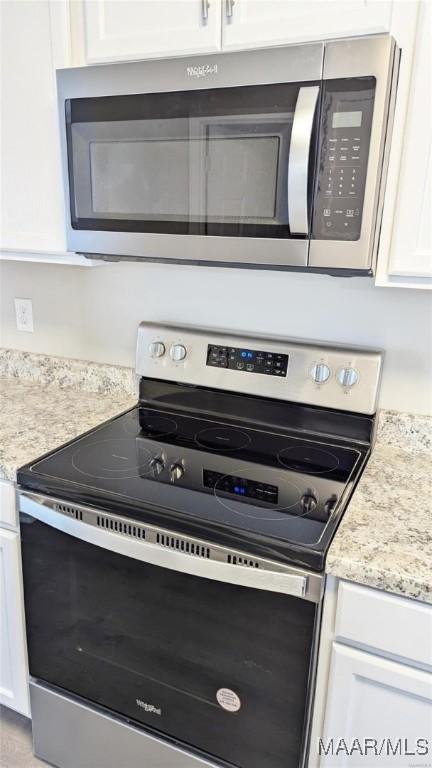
pixel 240 486
pixel 247 360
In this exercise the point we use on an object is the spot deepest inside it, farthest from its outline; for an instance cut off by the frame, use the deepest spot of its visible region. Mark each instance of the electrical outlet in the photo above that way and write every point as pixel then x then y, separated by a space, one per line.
pixel 24 315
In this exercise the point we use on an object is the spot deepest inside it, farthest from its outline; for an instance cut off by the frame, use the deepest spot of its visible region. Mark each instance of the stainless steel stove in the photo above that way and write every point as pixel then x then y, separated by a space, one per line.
pixel 173 557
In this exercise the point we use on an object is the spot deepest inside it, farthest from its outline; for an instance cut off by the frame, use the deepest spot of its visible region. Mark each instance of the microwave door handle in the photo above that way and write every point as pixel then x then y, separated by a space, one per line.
pixel 43 509
pixel 298 163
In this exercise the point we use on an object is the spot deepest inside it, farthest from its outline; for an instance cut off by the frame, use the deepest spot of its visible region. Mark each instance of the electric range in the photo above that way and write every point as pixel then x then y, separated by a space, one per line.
pixel 204 513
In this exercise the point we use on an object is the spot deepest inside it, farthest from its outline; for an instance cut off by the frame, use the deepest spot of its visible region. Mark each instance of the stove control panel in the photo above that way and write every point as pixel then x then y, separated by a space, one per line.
pixel 318 374
pixel 240 486
pixel 247 360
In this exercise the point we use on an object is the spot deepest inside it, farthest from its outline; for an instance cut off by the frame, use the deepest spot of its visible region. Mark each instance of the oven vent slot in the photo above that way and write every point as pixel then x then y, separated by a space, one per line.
pixel 66 509
pixel 127 529
pixel 183 545
pixel 237 560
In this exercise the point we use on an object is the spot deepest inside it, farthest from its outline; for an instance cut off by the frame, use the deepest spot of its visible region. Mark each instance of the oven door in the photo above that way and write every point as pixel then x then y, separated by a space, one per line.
pixel 230 166
pixel 212 664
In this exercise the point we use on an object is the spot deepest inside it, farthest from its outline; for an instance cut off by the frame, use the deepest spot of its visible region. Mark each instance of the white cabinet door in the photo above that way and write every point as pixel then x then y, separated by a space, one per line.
pixel 405 255
pixel 118 30
pixel 13 649
pixel 254 23
pixel 32 212
pixel 8 513
pixel 375 699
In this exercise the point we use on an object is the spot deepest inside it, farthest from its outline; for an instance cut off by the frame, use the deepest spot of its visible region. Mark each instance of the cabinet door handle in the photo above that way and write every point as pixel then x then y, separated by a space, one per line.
pixel 229 8
pixel 205 5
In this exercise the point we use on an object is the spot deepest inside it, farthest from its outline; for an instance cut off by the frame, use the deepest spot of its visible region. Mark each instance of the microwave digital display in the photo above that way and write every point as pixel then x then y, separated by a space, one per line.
pixel 347 119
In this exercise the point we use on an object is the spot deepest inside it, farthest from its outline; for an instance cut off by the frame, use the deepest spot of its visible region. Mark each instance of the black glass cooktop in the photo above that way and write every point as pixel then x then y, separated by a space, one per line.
pixel 261 489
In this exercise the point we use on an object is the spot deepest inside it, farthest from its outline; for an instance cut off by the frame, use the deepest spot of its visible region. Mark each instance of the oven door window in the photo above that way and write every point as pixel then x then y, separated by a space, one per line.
pixel 222 669
pixel 208 162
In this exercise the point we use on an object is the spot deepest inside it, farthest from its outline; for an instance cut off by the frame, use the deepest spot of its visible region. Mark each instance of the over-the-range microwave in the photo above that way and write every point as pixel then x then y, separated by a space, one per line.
pixel 273 158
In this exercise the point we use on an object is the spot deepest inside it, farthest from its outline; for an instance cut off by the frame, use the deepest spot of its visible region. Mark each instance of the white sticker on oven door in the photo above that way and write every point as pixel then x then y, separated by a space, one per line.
pixel 228 699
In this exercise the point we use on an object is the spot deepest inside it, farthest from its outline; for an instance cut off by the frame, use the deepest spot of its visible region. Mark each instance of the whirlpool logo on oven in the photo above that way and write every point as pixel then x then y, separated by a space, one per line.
pixel 149 707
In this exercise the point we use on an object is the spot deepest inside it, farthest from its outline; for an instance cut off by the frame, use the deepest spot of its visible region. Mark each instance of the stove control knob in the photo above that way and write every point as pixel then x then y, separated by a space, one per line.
pixel 330 504
pixel 308 503
pixel 320 372
pixel 156 349
pixel 157 465
pixel 178 352
pixel 347 377
pixel 176 472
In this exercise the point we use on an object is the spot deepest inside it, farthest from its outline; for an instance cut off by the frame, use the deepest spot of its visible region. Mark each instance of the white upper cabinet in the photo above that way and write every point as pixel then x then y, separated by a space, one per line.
pixel 405 254
pixel 256 23
pixel 119 30
pixel 32 214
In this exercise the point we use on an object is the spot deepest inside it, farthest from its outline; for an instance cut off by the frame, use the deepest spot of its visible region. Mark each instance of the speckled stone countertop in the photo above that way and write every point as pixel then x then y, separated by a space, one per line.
pixel 385 537
pixel 46 401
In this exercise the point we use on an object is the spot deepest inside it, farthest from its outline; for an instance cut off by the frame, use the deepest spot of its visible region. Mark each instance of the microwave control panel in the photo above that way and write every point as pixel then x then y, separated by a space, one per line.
pixel 346 121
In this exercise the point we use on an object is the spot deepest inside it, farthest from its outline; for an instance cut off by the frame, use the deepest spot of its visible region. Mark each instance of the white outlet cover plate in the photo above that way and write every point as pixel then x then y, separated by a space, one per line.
pixel 24 315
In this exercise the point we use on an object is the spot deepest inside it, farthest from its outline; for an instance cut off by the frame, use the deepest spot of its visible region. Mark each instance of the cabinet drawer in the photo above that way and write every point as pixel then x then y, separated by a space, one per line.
pixel 8 513
pixel 392 625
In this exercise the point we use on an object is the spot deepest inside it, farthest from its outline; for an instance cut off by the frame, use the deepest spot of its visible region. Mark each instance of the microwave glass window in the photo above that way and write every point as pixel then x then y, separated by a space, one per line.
pixel 347 119
pixel 223 175
pixel 205 162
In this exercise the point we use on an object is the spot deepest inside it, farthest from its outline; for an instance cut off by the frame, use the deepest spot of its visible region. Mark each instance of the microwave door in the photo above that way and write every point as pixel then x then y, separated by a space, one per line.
pixel 227 168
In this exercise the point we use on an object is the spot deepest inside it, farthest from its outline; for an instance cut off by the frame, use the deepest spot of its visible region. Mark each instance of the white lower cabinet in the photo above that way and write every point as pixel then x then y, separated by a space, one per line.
pixel 384 705
pixel 373 699
pixel 13 648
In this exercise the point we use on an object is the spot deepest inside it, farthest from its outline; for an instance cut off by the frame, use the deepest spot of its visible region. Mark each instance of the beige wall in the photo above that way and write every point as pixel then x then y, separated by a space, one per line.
pixel 93 313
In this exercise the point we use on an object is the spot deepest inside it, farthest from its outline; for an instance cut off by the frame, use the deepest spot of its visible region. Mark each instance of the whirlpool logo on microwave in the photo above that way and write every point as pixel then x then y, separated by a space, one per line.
pixel 202 70
pixel 149 707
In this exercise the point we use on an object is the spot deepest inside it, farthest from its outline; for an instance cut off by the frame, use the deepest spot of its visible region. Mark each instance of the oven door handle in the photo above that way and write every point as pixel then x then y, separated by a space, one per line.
pixel 298 163
pixel 288 583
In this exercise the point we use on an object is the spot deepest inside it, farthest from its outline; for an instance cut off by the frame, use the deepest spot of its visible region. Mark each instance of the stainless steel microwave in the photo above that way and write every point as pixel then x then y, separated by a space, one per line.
pixel 273 158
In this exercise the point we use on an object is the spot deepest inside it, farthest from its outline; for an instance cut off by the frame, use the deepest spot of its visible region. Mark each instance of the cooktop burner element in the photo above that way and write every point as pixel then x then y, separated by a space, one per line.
pixel 156 425
pixel 262 464
pixel 224 439
pixel 110 460
pixel 316 461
